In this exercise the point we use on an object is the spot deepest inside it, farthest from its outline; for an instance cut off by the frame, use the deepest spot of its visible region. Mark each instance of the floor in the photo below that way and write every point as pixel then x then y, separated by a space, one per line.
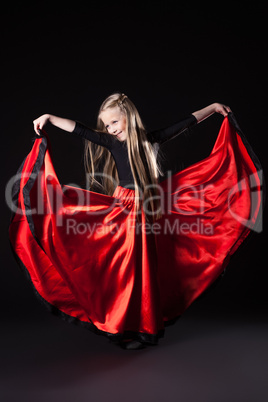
pixel 216 352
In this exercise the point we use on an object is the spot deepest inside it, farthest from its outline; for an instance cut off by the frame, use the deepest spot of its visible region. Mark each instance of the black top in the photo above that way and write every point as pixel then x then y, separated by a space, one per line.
pixel 119 148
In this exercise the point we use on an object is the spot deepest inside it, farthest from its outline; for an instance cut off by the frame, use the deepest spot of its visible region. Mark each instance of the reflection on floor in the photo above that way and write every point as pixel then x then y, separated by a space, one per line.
pixel 215 352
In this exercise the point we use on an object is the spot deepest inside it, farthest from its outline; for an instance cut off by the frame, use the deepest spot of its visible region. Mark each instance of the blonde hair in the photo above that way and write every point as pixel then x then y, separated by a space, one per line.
pixel 142 157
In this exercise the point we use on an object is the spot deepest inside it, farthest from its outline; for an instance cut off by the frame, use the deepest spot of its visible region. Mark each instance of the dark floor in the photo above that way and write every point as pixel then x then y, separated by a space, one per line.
pixel 216 352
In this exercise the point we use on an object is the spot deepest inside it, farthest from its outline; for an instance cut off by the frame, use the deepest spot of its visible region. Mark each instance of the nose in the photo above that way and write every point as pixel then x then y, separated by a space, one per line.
pixel 111 130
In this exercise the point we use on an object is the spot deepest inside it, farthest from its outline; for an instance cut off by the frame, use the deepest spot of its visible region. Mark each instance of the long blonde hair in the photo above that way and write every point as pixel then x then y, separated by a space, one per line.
pixel 141 153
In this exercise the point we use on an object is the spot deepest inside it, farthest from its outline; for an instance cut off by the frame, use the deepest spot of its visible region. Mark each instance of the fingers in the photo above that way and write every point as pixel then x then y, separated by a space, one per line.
pixel 227 109
pixel 37 126
pixel 224 110
pixel 36 130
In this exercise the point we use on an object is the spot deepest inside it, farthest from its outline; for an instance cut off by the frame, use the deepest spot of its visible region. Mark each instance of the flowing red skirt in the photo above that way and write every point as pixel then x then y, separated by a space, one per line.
pixel 92 262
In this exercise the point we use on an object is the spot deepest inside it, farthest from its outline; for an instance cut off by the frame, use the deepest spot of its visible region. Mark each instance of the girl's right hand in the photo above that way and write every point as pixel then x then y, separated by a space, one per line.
pixel 40 122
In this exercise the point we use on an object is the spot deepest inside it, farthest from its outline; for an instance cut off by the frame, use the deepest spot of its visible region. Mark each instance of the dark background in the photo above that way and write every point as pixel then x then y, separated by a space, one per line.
pixel 171 58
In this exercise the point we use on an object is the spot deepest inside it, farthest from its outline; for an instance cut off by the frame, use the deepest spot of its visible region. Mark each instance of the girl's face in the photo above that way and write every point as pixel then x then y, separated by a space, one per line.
pixel 115 122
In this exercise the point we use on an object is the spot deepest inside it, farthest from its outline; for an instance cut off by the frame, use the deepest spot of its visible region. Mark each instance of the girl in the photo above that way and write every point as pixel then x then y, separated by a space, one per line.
pixel 119 117
pixel 139 270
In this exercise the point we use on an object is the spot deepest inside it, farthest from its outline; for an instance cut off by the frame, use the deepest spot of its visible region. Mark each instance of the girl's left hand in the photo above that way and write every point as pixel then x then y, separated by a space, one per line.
pixel 222 109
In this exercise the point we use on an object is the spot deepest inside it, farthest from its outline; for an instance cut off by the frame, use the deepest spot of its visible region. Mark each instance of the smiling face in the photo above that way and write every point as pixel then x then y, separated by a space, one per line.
pixel 115 122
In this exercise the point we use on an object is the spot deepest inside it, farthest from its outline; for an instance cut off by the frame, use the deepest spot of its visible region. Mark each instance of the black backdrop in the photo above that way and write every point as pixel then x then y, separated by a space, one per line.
pixel 171 58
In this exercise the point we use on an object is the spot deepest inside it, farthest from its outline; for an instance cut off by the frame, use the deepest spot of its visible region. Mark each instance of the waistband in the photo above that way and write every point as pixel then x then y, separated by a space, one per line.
pixel 123 192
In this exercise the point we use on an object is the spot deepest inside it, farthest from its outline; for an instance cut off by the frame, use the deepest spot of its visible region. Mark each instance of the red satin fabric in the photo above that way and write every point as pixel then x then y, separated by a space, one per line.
pixel 87 255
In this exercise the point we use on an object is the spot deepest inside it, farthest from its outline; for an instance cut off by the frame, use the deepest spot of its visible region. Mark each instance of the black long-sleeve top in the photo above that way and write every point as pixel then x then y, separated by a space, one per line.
pixel 118 148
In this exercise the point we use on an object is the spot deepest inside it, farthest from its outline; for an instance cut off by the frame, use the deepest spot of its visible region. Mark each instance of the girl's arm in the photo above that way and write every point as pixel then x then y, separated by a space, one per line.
pixel 202 114
pixel 64 124
pixel 76 128
pixel 164 134
pixel 168 133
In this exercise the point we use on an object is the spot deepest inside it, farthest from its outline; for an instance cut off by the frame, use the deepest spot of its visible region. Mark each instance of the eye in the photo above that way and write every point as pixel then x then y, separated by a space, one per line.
pixel 115 121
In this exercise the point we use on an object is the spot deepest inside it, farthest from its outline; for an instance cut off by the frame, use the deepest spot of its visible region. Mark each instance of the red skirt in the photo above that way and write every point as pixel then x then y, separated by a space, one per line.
pixel 93 263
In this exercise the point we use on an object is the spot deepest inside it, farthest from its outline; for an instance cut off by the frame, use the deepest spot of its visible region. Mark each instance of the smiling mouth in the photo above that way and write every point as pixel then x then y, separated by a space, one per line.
pixel 118 134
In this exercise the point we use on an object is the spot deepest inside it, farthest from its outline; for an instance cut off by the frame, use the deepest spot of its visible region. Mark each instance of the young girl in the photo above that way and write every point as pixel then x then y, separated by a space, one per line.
pixel 127 262
pixel 128 153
